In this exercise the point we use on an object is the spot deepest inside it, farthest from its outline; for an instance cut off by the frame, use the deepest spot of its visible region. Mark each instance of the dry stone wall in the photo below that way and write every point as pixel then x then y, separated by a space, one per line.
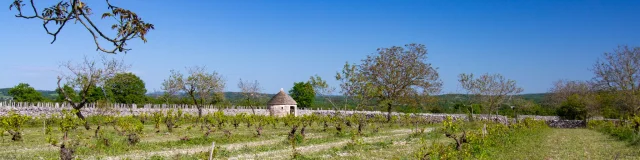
pixel 47 109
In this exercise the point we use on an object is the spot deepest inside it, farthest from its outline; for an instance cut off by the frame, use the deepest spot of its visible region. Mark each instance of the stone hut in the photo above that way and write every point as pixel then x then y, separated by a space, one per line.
pixel 282 104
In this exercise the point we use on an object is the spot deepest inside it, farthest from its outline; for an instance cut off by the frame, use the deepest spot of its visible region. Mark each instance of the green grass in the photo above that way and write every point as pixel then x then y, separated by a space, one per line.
pixel 568 144
pixel 34 145
pixel 392 142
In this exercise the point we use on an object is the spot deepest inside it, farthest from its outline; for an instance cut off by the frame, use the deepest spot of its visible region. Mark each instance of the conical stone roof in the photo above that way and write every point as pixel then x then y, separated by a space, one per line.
pixel 282 98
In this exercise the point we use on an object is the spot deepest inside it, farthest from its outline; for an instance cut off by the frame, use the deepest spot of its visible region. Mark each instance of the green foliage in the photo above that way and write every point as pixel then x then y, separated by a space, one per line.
pixel 172 119
pixel 573 108
pixel 25 93
pixel 157 119
pixel 131 127
pixel 237 119
pixel 94 93
pixel 623 130
pixel 69 121
pixel 303 93
pixel 13 124
pixel 126 88
pixel 476 141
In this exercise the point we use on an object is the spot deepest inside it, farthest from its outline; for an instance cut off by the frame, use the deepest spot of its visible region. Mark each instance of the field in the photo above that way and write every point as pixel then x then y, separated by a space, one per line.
pixel 236 137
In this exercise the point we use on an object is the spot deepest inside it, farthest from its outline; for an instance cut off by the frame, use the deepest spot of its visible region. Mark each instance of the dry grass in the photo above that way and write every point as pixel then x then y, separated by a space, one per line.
pixel 585 144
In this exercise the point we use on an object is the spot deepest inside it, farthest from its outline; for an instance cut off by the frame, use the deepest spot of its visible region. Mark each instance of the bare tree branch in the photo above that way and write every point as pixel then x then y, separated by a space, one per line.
pixel 619 72
pixel 129 25
pixel 251 92
pixel 86 75
pixel 490 89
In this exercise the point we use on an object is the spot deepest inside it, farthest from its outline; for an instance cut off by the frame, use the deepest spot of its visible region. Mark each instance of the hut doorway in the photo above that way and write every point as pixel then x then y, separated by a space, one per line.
pixel 292 110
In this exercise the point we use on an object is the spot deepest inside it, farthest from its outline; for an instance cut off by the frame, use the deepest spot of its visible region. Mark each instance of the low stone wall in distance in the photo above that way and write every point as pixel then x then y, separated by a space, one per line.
pixel 47 109
pixel 566 123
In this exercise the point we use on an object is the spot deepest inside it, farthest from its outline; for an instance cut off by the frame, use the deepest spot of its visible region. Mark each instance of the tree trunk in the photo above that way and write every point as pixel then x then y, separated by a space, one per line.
pixel 302 130
pixel 133 139
pixel 79 114
pixel 199 112
pixel 325 126
pixel 97 131
pixel 259 130
pixel 66 153
pixel 459 140
pixel 169 126
pixel 293 131
pixel 389 112
pixel 15 136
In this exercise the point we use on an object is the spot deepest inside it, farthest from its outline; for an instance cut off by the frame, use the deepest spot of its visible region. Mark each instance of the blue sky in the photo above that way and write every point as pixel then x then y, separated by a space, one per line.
pixel 534 42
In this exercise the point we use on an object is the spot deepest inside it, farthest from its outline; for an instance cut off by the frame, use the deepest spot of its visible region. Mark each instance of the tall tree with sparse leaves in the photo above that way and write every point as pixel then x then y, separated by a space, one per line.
pixel 392 77
pixel 85 79
pixel 201 86
pixel 251 93
pixel 491 90
pixel 619 72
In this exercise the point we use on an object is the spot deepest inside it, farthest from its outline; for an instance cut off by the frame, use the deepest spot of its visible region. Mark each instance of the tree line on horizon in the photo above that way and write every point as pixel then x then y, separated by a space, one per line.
pixel 393 79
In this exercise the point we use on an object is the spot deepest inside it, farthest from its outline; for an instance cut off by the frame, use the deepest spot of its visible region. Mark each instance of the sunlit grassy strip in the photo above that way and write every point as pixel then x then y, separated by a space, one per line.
pixel 272 140
pixel 178 144
pixel 285 145
pixel 206 142
pixel 308 142
pixel 35 141
pixel 35 155
pixel 520 144
pixel 274 148
pixel 400 147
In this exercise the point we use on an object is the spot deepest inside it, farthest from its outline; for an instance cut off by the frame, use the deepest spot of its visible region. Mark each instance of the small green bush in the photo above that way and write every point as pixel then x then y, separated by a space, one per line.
pixel 622 130
pixel 13 124
pixel 474 141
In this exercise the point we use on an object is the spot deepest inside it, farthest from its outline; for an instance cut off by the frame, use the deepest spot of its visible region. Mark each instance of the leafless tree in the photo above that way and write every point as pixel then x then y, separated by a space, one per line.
pixel 82 77
pixel 172 86
pixel 619 72
pixel 201 86
pixel 251 92
pixel 562 89
pixel 128 24
pixel 490 89
pixel 322 89
pixel 393 76
pixel 584 90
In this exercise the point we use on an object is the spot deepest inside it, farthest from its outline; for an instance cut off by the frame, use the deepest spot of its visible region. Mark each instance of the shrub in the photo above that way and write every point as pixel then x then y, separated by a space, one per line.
pixel 130 127
pixel 13 124
pixel 157 119
pixel 476 142
pixel 621 130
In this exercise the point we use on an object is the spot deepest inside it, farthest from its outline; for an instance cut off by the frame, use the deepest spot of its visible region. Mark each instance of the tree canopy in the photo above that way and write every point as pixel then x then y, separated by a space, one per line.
pixel 23 92
pixel 126 88
pixel 303 93
pixel 203 87
pixel 619 72
pixel 491 90
pixel 393 76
